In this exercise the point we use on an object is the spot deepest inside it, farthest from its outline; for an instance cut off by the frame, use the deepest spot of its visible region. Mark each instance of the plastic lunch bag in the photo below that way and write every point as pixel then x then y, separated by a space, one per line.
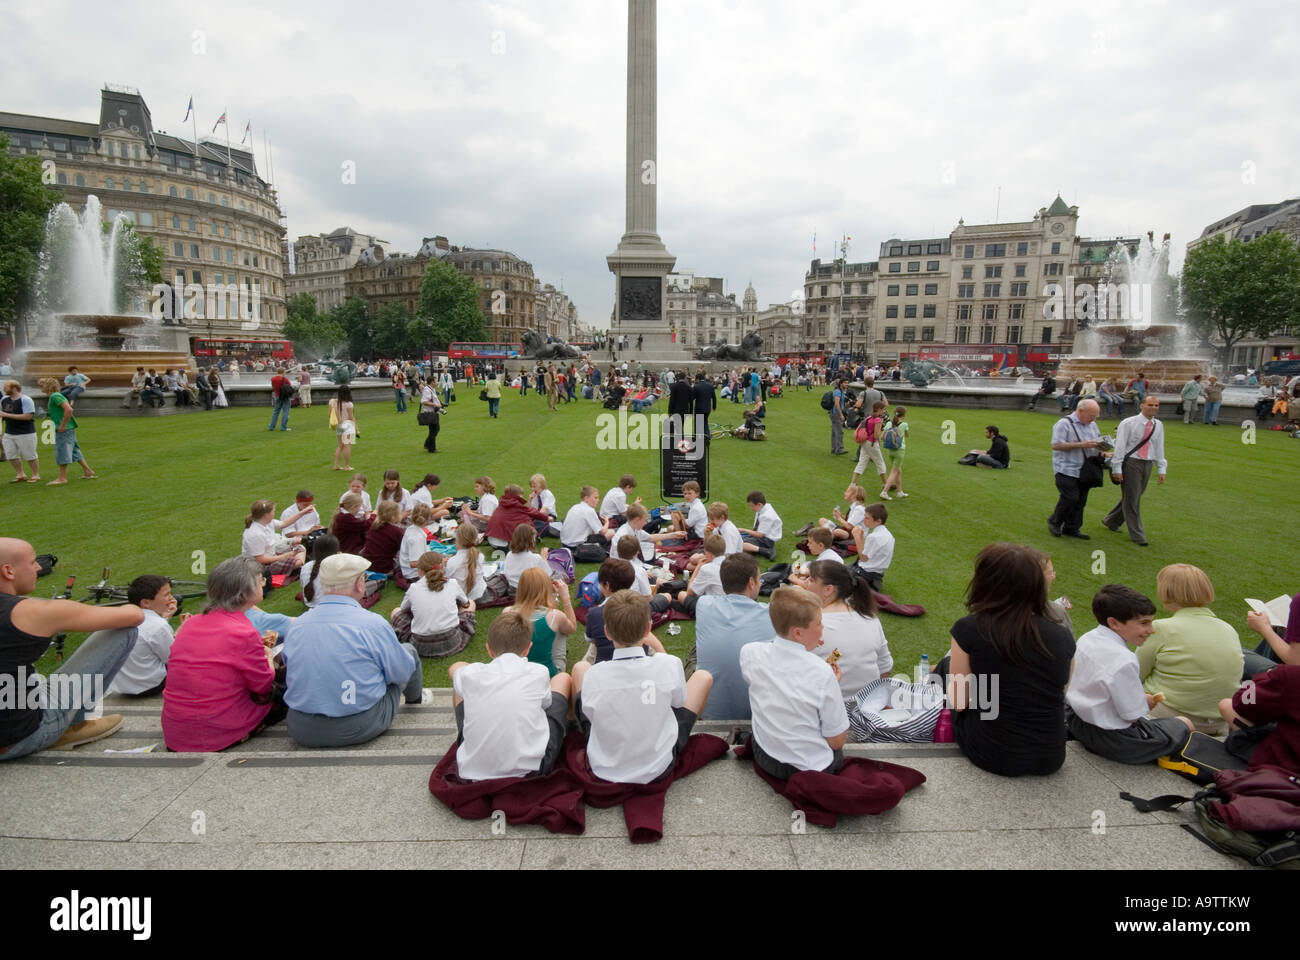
pixel 896 711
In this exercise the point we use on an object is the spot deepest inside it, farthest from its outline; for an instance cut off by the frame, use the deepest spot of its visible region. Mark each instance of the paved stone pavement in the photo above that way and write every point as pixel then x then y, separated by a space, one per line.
pixel 271 804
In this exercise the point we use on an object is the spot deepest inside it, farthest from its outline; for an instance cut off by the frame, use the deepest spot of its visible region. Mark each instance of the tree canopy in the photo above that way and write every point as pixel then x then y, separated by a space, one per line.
pixel 25 201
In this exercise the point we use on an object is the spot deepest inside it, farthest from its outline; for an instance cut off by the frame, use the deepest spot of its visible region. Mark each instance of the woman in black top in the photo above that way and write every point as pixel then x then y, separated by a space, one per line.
pixel 1008 667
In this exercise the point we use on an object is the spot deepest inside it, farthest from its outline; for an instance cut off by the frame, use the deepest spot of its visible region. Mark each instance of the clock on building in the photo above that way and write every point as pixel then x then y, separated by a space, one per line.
pixel 1057 227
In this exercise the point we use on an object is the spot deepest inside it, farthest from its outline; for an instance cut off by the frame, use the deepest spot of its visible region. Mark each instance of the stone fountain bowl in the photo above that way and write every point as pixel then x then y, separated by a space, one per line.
pixel 104 359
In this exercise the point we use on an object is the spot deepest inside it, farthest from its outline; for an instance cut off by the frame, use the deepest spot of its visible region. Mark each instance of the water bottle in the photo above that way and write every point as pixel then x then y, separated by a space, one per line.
pixel 923 671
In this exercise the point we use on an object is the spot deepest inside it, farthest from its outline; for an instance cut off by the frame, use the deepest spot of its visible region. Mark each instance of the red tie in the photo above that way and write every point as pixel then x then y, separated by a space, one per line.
pixel 1144 451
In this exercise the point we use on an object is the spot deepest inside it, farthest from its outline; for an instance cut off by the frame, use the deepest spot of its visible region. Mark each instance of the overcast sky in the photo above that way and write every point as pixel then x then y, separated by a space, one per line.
pixel 501 123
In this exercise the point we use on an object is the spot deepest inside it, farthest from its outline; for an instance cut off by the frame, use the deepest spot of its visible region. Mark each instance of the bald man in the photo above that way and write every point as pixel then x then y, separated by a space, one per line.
pixel 1073 438
pixel 26 627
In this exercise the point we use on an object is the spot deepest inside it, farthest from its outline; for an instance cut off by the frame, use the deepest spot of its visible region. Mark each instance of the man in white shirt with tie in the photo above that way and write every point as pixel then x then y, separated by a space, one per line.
pixel 1139 442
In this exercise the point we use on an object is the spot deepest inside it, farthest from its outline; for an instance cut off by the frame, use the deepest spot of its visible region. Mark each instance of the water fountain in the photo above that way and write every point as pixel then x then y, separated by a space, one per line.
pixel 86 282
pixel 1128 331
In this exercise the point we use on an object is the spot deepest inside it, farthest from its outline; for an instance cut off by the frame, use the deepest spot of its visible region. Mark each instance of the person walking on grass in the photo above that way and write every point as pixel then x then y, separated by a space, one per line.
pixel 281 399
pixel 893 444
pixel 66 450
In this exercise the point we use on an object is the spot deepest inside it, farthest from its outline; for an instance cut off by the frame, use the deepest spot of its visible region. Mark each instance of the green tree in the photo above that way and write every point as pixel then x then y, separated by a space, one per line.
pixel 300 319
pixel 449 306
pixel 151 259
pixel 24 204
pixel 1232 289
pixel 392 335
pixel 356 327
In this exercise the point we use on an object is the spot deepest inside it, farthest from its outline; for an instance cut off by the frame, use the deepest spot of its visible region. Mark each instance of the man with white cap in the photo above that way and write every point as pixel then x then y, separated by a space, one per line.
pixel 344 667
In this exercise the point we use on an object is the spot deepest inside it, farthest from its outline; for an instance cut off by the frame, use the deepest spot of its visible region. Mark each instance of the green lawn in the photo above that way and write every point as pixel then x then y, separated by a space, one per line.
pixel 172 487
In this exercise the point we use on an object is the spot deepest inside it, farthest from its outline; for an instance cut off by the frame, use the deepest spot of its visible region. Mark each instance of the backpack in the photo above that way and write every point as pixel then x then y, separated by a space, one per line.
pixel 590 553
pixel 773 577
pixel 828 400
pixel 46 562
pixel 893 439
pixel 589 590
pixel 560 560
pixel 1252 814
pixel 287 390
pixel 868 431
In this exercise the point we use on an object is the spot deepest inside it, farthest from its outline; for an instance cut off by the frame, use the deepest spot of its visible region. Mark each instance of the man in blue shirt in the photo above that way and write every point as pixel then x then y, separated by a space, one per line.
pixel 838 400
pixel 344 667
pixel 722 626
pixel 1073 438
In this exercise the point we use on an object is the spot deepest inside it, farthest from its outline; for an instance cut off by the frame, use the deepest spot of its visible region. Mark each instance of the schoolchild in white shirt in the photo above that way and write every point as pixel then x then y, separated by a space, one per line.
pixel 582 524
pixel 357 485
pixel 524 555
pixel 1106 705
pixel 393 490
pixel 842 527
pixel 424 493
pixel 145 671
pixel 486 491
pixel 613 509
pixel 690 523
pixel 300 519
pixel 768 528
pixel 540 498
pixel 875 545
pixel 261 541
pixel 415 541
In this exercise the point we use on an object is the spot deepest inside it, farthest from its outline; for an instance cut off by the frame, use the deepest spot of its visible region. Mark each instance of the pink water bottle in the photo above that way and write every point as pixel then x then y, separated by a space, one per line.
pixel 943 728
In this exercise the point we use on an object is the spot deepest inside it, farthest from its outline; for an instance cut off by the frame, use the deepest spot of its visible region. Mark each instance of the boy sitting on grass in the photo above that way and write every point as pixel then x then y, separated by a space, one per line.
pixel 1106 707
pixel 613 576
pixel 510 717
pixel 689 523
pixel 875 545
pixel 705 581
pixel 636 711
pixel 799 719
pixel 613 509
pixel 628 549
pixel 767 527
pixel 582 524
pixel 637 516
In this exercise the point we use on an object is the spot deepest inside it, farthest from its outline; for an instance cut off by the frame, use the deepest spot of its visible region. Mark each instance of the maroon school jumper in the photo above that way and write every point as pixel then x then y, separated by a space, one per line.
pixel 381 547
pixel 350 531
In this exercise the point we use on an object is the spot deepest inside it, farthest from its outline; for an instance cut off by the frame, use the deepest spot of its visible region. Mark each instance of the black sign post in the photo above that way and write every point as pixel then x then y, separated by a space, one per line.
pixel 682 457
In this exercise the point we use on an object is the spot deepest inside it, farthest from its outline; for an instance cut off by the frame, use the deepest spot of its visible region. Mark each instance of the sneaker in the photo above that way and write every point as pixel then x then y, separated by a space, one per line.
pixel 88 732
pixel 884 495
pixel 900 495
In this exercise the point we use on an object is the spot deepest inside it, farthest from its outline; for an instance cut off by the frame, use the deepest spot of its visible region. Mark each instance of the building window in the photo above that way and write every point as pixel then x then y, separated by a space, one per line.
pixel 891 312
pixel 913 248
pixel 146 219
pixel 822 308
pixel 990 272
pixel 909 311
pixel 1053 269
pixel 963 334
pixel 230 255
pixel 931 265
pixel 896 250
pixel 864 288
pixel 1013 334
pixel 1022 249
pixel 178 248
pixel 225 201
pixel 895 268
pixel 992 289
pixel 824 289
pixel 931 289
pixel 914 266
pixel 1017 311
pixel 934 248
pixel 891 290
pixel 1020 289
pixel 995 249
pixel 1020 269
pixel 928 311
pixel 927 334
pixel 189 193
pixel 192 226
pixel 968 253
pixel 891 334
pixel 194 251
pixel 1047 334
pixel 80 180
pixel 1056 249
pixel 990 311
pixel 965 290
pixel 912 289
pixel 967 273
pixel 986 333
pixel 110 183
pixel 909 334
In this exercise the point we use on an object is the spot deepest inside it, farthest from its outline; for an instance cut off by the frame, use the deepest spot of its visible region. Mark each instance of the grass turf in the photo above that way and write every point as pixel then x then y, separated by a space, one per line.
pixel 174 491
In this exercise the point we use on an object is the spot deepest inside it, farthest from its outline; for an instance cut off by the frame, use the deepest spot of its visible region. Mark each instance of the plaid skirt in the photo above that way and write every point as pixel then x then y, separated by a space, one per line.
pixel 442 644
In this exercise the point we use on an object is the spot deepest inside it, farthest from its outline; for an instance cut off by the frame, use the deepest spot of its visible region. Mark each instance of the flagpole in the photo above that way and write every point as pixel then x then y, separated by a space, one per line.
pixel 194 118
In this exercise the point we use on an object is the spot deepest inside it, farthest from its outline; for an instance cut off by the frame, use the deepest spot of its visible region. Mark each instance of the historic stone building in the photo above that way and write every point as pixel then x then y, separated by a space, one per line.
pixel 837 306
pixel 508 290
pixel 321 263
pixel 215 219
pixel 556 315
pixel 380 277
pixel 699 313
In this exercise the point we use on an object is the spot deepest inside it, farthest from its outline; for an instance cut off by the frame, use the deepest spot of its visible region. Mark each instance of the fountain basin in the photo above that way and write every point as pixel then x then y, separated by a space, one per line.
pixel 110 365
pixel 1164 374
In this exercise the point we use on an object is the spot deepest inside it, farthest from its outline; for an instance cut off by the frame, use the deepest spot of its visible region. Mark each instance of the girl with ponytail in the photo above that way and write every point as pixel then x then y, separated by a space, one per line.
pixel 435 615
pixel 849 625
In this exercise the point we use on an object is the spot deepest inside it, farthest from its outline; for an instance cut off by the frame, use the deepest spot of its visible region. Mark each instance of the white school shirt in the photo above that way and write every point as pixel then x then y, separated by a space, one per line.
pixel 795 702
pixel 632 734
pixel 864 653
pixel 308 520
pixel 403 502
pixel 415 544
pixel 730 534
pixel 543 501
pixel 422 494
pixel 767 523
pixel 146 664
pixel 640 582
pixel 579 523
pixel 697 518
pixel 878 550
pixel 458 567
pixel 614 504
pixel 506 730
pixel 856 514
pixel 487 504
pixel 517 563
pixel 1105 687
pixel 708 582
pixel 365 500
pixel 827 554
pixel 433 611
pixel 259 540
pixel 642 538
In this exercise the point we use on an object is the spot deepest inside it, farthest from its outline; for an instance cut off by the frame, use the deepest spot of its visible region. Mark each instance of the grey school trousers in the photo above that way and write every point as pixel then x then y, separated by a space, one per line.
pixel 318 730
pixel 1137 474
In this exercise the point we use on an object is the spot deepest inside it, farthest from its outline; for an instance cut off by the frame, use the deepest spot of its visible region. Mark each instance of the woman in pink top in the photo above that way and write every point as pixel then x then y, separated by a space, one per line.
pixel 219 679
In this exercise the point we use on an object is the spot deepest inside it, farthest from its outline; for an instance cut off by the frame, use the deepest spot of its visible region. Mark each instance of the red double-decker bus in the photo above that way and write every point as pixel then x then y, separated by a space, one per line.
pixel 477 350
pixel 204 347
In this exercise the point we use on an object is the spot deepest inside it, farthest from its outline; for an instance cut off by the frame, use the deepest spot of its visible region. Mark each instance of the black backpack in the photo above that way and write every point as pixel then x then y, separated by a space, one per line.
pixel 773 577
pixel 828 400
pixel 287 390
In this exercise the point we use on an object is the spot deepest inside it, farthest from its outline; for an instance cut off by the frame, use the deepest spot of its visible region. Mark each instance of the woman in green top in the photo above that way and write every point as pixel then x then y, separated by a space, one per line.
pixel 66 450
pixel 493 391
pixel 1193 658
pixel 894 429
pixel 536 598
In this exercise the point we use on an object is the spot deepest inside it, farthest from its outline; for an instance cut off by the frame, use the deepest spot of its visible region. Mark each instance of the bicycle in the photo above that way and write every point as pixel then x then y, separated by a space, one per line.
pixel 116 596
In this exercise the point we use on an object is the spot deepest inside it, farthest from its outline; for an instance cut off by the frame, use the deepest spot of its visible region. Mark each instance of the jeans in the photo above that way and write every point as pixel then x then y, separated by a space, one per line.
pixel 493 404
pixel 73 392
pixel 102 655
pixel 400 397
pixel 1212 411
pixel 281 406
pixel 988 461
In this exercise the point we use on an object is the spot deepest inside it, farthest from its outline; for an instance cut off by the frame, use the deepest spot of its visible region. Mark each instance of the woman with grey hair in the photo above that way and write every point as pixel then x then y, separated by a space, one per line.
pixel 221 686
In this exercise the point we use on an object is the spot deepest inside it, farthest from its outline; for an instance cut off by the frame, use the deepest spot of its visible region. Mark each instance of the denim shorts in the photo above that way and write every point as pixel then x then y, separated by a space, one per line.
pixel 66 450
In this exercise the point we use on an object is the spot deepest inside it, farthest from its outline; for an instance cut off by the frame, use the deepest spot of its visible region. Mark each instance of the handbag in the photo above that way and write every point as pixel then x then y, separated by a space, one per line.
pixel 482 395
pixel 893 710
pixel 426 418
pixel 334 414
pixel 1091 473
